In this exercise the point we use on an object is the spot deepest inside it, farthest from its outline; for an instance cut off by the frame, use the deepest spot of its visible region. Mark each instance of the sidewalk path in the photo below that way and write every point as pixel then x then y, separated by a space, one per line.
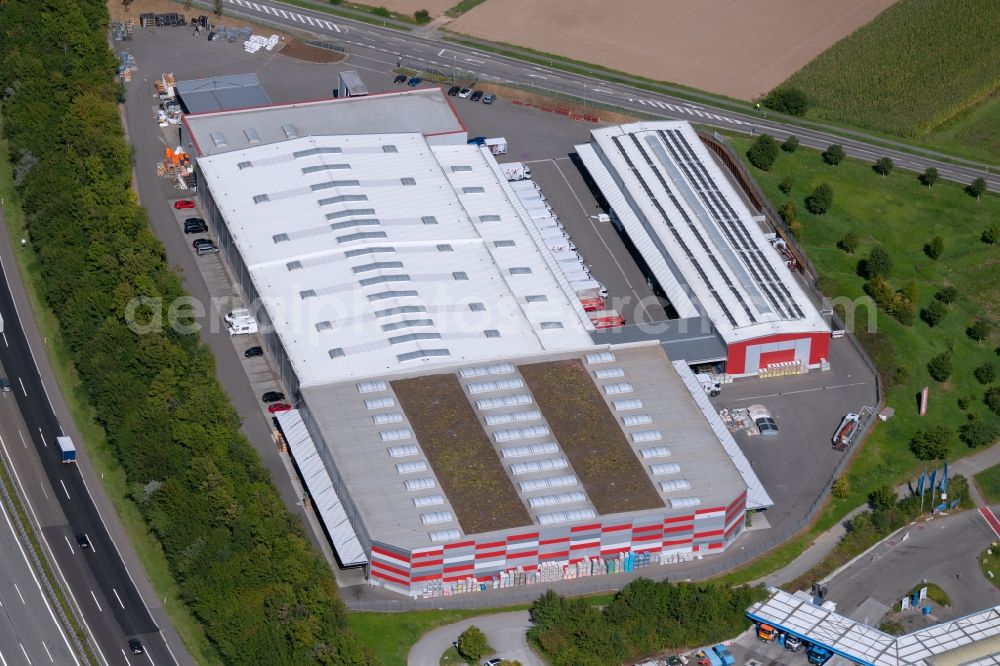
pixel 504 631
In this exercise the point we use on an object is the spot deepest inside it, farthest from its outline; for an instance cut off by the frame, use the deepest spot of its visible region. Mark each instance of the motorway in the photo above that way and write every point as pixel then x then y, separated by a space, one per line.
pixel 29 630
pixel 57 493
pixel 382 49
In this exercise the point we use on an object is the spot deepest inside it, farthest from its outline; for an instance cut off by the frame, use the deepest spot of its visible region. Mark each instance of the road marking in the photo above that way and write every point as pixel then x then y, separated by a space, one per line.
pixel 537 76
pixel 20 595
pixel 94 597
pixel 990 519
pixel 118 598
pixel 819 388
pixel 21 435
pixel 2 660
pixel 5 338
pixel 22 387
pixel 441 52
pixel 25 653
pixel 150 658
pixel 71 548
pixel 64 489
pixel 92 549
pixel 42 486
pixel 42 437
pixel 124 657
pixel 47 652
pixel 480 62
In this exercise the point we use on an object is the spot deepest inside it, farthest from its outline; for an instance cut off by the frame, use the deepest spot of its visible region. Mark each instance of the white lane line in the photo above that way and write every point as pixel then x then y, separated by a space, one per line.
pixel 151 658
pixel 92 549
pixel 118 598
pixel 2 660
pixel 71 548
pixel 94 597
pixel 21 435
pixel 537 76
pixel 22 387
pixel 42 486
pixel 47 652
pixel 124 657
pixel 5 338
pixel 23 602
pixel 42 437
pixel 819 388
pixel 441 52
pixel 480 62
pixel 64 489
pixel 25 654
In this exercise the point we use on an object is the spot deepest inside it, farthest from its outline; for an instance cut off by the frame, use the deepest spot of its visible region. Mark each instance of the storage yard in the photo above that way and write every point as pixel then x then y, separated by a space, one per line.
pixel 739 49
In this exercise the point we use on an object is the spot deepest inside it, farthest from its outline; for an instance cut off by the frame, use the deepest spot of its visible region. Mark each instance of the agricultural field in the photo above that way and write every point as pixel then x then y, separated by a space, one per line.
pixel 739 49
pixel 900 215
pixel 918 65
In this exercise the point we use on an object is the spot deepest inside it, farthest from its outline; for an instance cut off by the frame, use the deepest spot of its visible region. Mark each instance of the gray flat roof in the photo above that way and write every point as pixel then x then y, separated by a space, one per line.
pixel 221 93
pixel 424 110
pixel 364 438
pixel 693 340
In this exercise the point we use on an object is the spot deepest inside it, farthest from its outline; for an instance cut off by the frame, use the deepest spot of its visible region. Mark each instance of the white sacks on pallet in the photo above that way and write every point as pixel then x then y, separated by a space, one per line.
pixel 254 44
pixel 272 41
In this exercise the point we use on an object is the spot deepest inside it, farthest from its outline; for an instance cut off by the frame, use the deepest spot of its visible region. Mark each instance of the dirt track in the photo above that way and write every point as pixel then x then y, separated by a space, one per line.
pixel 740 48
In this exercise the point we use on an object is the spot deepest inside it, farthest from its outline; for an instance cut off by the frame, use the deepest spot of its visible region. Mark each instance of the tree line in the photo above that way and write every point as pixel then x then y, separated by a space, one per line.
pixel 242 562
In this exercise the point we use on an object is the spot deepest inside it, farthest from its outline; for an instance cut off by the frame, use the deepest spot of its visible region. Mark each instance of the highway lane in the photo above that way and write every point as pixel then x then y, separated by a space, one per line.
pixel 97 578
pixel 29 630
pixel 386 48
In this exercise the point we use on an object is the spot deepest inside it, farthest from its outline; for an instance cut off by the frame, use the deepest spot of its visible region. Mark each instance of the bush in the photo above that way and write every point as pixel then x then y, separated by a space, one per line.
pixel 820 200
pixel 841 489
pixel 882 498
pixel 849 243
pixel 472 644
pixel 928 177
pixel 422 16
pixel 834 154
pixel 978 433
pixel 940 366
pixel 883 166
pixel 934 313
pixel 986 373
pixel 763 152
pixel 993 400
pixel 791 144
pixel 979 330
pixel 933 443
pixel 878 264
pixel 934 248
pixel 797 229
pixel 785 99
pixel 946 295
pixel 788 212
pixel 786 184
pixel 991 234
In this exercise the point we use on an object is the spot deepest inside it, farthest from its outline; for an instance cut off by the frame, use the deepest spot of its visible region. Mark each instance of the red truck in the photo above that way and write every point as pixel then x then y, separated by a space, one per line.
pixel 592 304
pixel 606 318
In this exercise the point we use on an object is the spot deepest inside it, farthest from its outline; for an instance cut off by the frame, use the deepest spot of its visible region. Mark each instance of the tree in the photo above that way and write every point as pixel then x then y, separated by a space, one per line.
pixel 472 644
pixel 786 184
pixel 991 234
pixel 979 330
pixel 763 152
pixel 785 99
pixel 834 154
pixel 883 166
pixel 849 243
pixel 788 212
pixel 878 264
pixel 976 188
pixel 946 295
pixel 933 443
pixel 882 498
pixel 841 489
pixel 791 144
pixel 934 248
pixel 819 202
pixel 993 400
pixel 986 373
pixel 934 313
pixel 940 366
pixel 422 16
pixel 217 8
pixel 978 433
pixel 928 177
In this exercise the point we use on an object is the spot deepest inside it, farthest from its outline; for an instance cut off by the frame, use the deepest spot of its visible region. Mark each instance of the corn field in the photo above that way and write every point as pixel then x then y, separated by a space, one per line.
pixel 916 66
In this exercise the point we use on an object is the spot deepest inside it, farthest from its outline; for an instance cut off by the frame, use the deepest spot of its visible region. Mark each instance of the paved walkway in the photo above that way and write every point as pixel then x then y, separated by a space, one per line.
pixel 505 632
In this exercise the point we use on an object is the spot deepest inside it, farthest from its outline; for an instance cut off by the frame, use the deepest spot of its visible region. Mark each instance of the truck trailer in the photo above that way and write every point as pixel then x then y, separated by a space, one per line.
pixel 497 146
pixel 515 171
pixel 66 449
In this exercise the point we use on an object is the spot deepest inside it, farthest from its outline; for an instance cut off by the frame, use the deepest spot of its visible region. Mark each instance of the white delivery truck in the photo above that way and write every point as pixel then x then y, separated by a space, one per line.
pixel 516 171
pixel 588 288
pixel 577 274
pixel 497 146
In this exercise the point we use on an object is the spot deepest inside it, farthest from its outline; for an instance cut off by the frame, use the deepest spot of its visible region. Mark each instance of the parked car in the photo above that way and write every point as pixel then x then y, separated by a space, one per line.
pixel 489 98
pixel 254 351
pixel 766 426
pixel 203 250
pixel 400 79
pixel 414 81
pixel 276 407
pixel 453 91
pixel 476 96
pixel 464 92
pixel 135 646
pixel 477 141
pixel 4 385
pixel 82 540
pixel 195 225
pixel 201 242
pixel 495 661
pixel 184 203
pixel 273 396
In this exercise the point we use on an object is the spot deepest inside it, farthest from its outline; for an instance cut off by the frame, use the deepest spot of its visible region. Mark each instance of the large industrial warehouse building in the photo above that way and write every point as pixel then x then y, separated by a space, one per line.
pixel 454 422
pixel 704 248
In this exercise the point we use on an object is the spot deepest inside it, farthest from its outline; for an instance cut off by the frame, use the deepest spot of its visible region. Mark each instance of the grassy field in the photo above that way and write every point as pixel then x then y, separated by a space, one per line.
pixel 988 482
pixel 989 564
pixel 900 215
pixel 975 133
pixel 919 64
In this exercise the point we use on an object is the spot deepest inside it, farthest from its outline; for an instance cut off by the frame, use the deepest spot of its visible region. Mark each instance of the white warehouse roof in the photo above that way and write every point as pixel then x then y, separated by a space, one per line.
pixel 376 254
pixel 695 232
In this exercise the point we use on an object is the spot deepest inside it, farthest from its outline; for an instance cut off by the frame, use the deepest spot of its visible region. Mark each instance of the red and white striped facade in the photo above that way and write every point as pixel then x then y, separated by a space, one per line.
pixel 483 557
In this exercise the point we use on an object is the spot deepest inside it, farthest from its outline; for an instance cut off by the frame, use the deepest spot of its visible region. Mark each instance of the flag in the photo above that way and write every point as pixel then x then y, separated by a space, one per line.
pixel 931 482
pixel 920 484
pixel 944 478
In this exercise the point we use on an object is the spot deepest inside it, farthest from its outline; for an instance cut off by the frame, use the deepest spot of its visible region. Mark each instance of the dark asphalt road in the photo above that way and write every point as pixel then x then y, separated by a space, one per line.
pixel 99 581
pixel 383 48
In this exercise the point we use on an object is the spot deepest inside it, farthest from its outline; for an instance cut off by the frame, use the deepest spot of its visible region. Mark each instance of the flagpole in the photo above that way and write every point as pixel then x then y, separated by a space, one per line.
pixel 921 484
